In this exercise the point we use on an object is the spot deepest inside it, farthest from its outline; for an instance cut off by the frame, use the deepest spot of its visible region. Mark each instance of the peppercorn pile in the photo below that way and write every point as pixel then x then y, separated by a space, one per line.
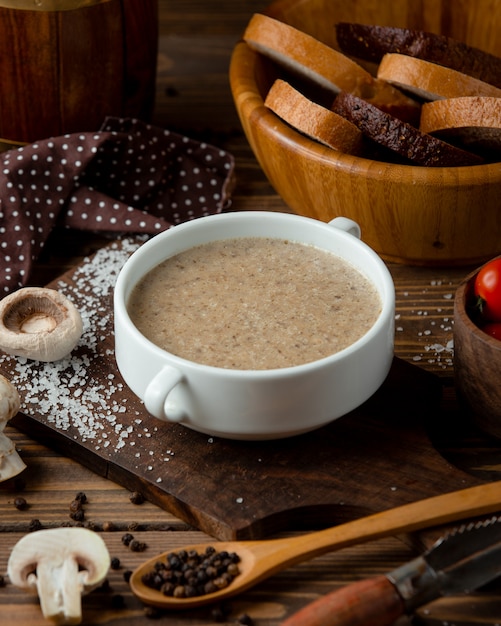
pixel 186 574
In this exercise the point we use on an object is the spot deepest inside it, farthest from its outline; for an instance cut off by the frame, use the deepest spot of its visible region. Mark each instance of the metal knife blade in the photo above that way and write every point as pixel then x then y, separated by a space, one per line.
pixel 461 561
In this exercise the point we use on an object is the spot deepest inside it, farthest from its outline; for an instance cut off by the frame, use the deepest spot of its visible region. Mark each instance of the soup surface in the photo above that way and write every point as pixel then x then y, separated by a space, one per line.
pixel 254 303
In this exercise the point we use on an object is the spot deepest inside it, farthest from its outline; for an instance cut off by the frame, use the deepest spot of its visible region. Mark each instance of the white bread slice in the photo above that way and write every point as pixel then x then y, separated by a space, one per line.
pixel 475 121
pixel 312 119
pixel 303 55
pixel 430 81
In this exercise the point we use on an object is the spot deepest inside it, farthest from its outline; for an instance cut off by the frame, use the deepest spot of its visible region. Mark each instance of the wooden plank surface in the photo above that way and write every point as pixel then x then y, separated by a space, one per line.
pixel 196 38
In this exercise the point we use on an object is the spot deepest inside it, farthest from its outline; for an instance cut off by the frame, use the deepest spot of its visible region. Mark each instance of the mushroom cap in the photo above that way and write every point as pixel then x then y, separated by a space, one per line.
pixel 39 323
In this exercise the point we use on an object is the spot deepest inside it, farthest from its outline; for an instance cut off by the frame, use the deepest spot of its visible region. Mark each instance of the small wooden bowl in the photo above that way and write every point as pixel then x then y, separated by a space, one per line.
pixel 408 214
pixel 477 363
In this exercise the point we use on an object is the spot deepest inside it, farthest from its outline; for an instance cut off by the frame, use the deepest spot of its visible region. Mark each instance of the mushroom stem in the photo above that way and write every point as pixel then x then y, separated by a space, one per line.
pixel 59 590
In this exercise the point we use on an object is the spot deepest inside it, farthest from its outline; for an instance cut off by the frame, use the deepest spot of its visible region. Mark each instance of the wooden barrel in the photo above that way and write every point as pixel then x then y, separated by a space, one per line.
pixel 67 64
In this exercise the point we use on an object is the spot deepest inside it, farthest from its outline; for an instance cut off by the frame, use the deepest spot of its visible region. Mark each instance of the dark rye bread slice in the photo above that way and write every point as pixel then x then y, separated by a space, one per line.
pixel 312 119
pixel 371 43
pixel 402 138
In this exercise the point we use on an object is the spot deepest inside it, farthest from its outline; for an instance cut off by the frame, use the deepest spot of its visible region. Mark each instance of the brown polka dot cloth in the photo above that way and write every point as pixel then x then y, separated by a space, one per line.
pixel 128 177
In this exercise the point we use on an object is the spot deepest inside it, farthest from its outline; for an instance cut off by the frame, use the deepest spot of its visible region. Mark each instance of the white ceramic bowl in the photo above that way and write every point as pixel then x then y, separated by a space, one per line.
pixel 255 404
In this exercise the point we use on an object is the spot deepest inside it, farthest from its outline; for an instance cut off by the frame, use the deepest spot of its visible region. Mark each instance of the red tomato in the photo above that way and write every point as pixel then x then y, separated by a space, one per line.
pixel 487 289
pixel 493 329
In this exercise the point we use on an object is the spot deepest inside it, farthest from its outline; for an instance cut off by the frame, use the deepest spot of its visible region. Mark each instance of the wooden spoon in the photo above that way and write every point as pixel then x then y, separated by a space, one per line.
pixel 262 558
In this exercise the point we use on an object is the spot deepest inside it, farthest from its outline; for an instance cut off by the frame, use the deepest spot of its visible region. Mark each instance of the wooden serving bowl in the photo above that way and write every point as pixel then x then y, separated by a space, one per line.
pixel 408 214
pixel 477 363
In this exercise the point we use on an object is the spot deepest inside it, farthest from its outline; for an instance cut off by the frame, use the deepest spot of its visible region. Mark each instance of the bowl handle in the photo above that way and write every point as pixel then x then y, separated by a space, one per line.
pixel 156 396
pixel 349 226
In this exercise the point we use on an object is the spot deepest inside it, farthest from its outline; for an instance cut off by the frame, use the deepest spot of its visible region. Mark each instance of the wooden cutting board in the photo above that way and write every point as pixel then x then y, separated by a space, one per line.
pixel 375 458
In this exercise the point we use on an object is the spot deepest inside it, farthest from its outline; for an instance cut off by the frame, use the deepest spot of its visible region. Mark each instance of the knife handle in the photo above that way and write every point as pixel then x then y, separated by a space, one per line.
pixel 372 602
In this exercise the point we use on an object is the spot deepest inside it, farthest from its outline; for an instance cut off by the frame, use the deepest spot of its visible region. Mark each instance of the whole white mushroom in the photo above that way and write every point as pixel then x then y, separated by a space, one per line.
pixel 60 564
pixel 39 323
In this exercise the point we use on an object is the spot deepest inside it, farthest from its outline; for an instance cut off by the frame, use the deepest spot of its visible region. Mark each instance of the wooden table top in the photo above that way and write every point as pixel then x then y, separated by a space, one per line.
pixel 193 97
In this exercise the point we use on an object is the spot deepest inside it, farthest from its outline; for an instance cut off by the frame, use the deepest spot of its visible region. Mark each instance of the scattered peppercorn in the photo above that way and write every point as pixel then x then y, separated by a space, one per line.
pixel 78 515
pixel 75 505
pixel 127 538
pixel 2 581
pixel 81 497
pixel 108 527
pixel 127 575
pixel 186 574
pixel 115 563
pixel 137 546
pixel 245 619
pixel 20 504
pixel 77 512
pixel 35 524
pixel 136 497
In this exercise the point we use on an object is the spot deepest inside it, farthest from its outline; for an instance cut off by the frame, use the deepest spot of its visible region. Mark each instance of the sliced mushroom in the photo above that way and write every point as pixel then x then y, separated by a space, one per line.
pixel 11 463
pixel 39 324
pixel 60 564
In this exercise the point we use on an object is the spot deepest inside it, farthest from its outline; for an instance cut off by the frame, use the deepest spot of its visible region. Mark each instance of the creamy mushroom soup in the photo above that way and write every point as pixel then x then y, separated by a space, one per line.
pixel 254 303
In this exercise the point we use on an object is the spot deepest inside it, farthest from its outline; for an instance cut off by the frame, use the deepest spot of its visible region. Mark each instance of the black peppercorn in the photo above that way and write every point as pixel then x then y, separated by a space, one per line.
pixel 81 497
pixel 185 574
pixel 35 524
pixel 75 505
pixel 2 581
pixel 78 515
pixel 137 546
pixel 179 591
pixel 115 563
pixel 20 504
pixel 127 574
pixel 210 587
pixel 127 538
pixel 245 619
pixel 136 497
